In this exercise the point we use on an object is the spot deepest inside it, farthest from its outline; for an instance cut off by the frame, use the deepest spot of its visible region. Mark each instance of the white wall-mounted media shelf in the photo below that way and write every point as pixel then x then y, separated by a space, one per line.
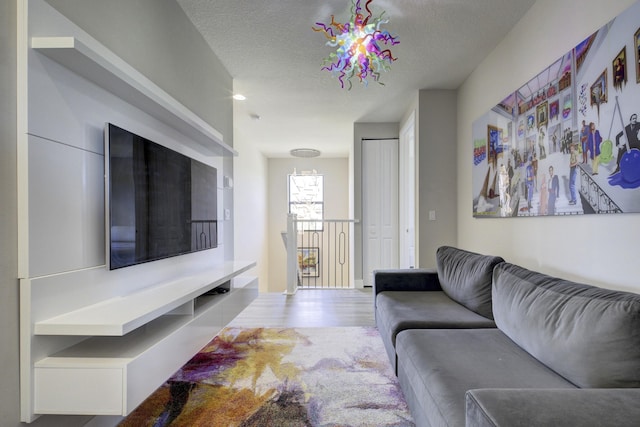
pixel 96 63
pixel 112 375
pixel 120 315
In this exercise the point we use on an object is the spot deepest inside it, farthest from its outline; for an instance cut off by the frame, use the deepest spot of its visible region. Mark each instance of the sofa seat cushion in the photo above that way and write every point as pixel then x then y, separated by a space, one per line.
pixel 466 277
pixel 397 311
pixel 600 407
pixel 436 367
pixel 425 310
pixel 589 335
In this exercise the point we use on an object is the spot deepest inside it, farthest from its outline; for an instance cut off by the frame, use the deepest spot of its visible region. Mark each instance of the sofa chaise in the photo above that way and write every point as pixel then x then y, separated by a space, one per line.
pixel 456 295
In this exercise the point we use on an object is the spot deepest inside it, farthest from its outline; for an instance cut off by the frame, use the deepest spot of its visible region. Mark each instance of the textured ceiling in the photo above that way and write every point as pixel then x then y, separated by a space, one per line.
pixel 274 57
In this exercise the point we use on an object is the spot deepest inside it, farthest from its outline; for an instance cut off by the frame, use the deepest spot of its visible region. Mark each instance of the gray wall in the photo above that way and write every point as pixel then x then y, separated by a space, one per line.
pixel 9 350
pixel 437 172
pixel 436 136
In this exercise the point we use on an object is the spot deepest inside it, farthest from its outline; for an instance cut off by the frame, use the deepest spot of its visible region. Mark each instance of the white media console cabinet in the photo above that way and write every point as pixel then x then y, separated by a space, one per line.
pixel 130 344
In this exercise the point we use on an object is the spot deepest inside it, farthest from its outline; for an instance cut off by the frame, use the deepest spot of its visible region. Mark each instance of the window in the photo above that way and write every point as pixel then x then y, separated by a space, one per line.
pixel 306 199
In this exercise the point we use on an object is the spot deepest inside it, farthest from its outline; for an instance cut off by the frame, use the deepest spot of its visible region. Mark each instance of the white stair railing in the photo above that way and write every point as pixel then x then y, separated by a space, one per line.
pixel 319 253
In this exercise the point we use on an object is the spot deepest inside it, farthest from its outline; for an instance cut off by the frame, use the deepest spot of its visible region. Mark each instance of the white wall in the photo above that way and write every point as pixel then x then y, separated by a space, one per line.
pixel 250 208
pixel 597 249
pixel 336 195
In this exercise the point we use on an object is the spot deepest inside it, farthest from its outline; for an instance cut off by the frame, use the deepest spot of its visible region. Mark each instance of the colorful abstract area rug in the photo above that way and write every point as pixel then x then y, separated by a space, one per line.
pixel 281 378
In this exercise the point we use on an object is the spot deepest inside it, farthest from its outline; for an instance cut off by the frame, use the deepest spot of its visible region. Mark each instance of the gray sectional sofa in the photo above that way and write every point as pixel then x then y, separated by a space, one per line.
pixel 481 342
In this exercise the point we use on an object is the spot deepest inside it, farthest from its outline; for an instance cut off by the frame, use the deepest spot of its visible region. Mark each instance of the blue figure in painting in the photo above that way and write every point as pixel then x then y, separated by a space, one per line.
pixel 584 136
pixel 573 172
pixel 627 172
pixel 593 145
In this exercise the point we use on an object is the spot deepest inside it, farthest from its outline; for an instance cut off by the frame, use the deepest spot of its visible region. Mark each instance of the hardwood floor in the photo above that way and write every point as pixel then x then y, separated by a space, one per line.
pixel 310 308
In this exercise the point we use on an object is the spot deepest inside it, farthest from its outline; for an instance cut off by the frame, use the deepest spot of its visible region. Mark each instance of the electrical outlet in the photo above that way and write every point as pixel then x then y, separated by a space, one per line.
pixel 432 215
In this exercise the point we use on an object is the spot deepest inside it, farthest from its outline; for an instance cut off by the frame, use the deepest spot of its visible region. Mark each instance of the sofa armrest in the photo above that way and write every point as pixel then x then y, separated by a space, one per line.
pixel 553 407
pixel 411 279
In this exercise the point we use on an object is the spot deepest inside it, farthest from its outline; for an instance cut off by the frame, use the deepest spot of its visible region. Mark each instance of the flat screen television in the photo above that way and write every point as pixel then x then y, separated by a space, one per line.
pixel 159 203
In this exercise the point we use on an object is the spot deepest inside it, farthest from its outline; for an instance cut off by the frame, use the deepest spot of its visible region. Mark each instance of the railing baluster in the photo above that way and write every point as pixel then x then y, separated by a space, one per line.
pixel 342 254
pixel 328 246
pixel 330 257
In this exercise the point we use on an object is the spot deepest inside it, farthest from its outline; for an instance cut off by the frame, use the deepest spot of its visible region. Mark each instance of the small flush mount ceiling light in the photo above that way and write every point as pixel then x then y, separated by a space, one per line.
pixel 358 45
pixel 304 152
pixel 239 97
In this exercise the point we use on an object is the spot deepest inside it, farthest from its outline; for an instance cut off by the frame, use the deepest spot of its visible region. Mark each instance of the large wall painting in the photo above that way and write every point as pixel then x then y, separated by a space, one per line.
pixel 568 141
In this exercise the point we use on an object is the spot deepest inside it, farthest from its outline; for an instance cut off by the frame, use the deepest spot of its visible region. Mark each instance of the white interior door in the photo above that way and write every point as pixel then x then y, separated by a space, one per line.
pixel 380 206
pixel 407 196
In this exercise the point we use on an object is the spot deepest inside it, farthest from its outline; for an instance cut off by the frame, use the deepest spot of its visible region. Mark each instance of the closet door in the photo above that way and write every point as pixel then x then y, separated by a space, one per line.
pixel 380 206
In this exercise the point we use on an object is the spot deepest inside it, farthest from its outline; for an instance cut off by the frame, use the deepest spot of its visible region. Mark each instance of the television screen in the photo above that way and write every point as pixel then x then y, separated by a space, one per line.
pixel 159 203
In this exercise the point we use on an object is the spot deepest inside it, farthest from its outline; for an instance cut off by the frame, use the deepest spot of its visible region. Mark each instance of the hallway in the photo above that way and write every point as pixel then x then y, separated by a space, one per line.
pixel 310 308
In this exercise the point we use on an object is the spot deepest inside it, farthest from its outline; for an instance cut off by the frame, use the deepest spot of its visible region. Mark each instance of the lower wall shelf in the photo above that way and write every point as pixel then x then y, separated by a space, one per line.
pixel 112 375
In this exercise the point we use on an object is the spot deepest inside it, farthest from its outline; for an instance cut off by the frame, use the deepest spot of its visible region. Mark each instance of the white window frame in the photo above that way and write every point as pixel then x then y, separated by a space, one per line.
pixel 305 194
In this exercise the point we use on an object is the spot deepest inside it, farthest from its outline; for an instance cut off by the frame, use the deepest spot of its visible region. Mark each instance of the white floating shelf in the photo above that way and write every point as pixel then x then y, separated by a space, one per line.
pixel 121 315
pixel 96 63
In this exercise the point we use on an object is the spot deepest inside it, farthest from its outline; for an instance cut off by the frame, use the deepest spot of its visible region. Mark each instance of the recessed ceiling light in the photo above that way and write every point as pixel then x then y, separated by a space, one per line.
pixel 304 152
pixel 239 97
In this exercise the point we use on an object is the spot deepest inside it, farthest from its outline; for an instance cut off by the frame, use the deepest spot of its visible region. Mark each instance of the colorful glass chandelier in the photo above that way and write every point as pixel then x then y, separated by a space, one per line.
pixel 358 46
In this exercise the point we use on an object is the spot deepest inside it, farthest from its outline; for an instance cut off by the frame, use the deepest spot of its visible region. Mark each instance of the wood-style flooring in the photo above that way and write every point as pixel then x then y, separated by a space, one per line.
pixel 309 308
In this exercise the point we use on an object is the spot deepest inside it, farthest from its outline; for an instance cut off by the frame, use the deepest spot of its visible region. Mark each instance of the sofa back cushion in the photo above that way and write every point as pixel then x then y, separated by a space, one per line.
pixel 466 277
pixel 589 335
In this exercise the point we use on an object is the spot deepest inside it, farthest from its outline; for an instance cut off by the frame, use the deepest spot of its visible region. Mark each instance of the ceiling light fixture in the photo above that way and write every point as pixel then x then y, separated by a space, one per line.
pixel 304 152
pixel 358 43
pixel 239 97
